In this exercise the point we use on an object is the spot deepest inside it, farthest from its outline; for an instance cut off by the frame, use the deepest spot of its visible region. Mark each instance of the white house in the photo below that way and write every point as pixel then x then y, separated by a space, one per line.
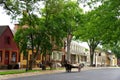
pixel 79 54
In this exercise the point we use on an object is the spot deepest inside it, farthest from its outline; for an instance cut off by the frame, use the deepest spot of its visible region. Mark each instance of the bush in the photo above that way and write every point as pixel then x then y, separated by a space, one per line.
pixel 9 66
pixel 13 66
pixel 16 66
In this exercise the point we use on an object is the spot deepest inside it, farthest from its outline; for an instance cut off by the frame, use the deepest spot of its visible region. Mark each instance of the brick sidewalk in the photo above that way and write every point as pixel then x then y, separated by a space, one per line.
pixel 4 77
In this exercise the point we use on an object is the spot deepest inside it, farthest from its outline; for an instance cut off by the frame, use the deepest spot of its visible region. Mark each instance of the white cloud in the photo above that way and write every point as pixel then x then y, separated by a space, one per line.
pixel 5 19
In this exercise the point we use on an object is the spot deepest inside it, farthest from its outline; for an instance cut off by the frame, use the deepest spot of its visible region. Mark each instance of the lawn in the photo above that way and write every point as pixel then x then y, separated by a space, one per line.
pixel 6 72
pixel 16 71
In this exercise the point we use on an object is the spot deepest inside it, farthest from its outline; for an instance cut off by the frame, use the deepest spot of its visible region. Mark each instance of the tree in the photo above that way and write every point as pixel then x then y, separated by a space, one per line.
pixel 33 35
pixel 62 19
pixel 114 44
pixel 70 17
pixel 98 28
pixel 50 22
pixel 41 31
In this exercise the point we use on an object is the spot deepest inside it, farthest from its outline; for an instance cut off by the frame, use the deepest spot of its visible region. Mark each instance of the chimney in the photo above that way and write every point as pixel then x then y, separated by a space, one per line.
pixel 16 26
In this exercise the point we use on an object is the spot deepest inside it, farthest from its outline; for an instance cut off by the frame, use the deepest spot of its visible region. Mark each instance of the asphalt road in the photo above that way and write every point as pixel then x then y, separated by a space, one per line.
pixel 98 74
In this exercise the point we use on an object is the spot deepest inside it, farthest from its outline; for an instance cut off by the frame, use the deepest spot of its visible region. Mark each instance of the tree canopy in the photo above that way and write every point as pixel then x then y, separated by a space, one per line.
pixel 99 26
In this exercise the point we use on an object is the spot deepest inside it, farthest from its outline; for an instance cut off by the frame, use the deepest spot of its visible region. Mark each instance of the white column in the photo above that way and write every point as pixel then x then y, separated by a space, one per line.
pixel 95 59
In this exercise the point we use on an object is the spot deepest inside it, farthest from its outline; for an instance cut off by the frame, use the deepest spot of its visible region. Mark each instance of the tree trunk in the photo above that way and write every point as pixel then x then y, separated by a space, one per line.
pixel 27 64
pixel 92 43
pixel 31 64
pixel 69 38
pixel 68 52
pixel 32 60
pixel 91 56
pixel 32 57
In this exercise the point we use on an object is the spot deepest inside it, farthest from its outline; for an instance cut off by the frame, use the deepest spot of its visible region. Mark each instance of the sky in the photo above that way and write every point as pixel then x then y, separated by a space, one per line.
pixel 5 19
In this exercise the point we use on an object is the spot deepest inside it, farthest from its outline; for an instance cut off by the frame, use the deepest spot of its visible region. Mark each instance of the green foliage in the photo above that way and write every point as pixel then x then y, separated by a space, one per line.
pixel 70 18
pixel 71 15
pixel 63 19
pixel 100 25
pixel 21 40
pixel 113 35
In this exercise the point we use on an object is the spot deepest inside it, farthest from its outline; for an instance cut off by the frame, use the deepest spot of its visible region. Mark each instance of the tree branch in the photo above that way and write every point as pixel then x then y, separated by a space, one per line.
pixel 6 6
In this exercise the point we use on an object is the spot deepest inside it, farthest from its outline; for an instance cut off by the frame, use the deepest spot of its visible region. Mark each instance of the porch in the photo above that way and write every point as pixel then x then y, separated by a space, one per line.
pixel 8 57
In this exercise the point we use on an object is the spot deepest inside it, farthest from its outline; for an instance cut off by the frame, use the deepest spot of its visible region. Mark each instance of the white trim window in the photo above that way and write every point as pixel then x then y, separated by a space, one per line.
pixel 14 56
pixel 56 55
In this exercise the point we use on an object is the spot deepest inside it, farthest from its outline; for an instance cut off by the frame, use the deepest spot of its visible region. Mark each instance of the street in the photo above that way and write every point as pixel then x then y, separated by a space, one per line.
pixel 97 74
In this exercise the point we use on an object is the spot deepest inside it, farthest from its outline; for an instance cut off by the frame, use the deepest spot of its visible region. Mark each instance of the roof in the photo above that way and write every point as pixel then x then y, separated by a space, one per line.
pixel 2 29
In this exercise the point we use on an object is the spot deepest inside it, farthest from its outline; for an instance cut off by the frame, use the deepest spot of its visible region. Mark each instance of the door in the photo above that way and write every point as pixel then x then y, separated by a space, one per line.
pixel 6 58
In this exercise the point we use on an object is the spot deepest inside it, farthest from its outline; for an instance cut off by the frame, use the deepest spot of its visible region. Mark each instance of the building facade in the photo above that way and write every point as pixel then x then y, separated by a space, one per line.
pixel 9 51
pixel 102 58
pixel 111 59
pixel 23 59
pixel 79 54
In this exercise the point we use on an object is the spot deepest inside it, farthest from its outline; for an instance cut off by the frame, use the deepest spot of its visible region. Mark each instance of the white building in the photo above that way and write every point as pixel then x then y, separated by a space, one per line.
pixel 79 54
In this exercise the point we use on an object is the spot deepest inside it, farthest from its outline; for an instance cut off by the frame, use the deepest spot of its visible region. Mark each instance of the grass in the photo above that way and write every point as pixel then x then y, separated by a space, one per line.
pixel 23 71
pixel 16 72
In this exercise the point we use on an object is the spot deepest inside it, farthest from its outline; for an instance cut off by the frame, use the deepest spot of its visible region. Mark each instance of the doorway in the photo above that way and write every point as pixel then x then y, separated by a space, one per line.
pixel 6 58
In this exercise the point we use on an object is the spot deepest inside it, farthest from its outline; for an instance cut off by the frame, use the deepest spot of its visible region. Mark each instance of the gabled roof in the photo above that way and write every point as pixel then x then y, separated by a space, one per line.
pixel 2 29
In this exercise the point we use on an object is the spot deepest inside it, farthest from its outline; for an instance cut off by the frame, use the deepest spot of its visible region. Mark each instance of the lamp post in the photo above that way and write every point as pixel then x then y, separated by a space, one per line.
pixel 95 59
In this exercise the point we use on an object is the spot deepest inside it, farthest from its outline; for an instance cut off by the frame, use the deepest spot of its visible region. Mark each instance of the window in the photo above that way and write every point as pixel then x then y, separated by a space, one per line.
pixel 57 55
pixel 83 58
pixel 7 40
pixel 99 54
pixel 54 56
pixel 0 56
pixel 14 56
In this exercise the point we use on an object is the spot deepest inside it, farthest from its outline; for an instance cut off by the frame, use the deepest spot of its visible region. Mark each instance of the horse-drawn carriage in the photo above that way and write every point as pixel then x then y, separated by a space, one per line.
pixel 69 66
